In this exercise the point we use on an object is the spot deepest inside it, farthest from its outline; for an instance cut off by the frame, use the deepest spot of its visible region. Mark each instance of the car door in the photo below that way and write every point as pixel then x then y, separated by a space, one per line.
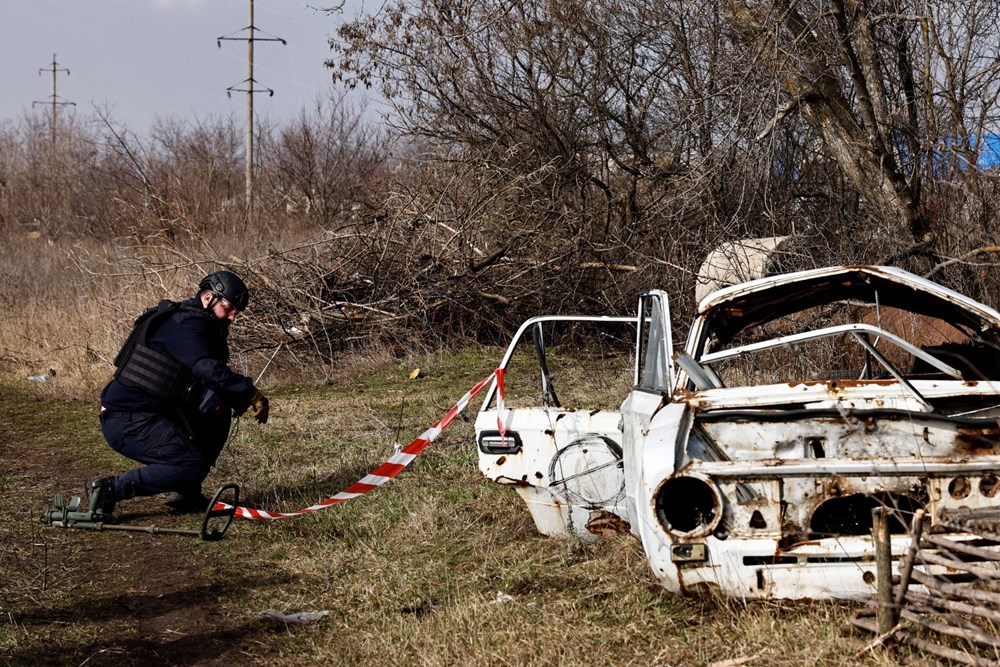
pixel 655 379
pixel 557 438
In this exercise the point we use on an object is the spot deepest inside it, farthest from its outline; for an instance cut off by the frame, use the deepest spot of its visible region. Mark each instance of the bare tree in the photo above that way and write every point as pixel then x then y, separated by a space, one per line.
pixel 324 164
pixel 901 92
pixel 597 122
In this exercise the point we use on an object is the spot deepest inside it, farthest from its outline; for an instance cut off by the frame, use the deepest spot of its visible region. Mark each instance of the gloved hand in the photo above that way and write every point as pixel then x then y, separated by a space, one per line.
pixel 261 406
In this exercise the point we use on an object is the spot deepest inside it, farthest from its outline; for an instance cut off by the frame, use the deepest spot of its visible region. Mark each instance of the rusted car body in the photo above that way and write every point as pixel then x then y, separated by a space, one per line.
pixel 749 462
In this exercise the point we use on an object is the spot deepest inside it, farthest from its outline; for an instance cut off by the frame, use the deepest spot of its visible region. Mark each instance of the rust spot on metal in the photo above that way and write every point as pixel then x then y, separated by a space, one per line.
pixel 709 588
pixel 560 416
pixel 539 475
pixel 834 487
pixel 511 481
pixel 789 545
pixel 607 523
pixel 840 383
pixel 684 395
pixel 683 469
pixel 791 536
pixel 978 441
pixel 501 460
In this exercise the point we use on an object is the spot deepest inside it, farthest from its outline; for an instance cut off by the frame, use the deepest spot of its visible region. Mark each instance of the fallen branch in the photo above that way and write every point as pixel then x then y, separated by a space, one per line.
pixel 961 259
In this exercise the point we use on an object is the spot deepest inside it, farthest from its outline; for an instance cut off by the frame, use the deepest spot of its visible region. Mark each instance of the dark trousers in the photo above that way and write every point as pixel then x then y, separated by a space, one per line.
pixel 176 457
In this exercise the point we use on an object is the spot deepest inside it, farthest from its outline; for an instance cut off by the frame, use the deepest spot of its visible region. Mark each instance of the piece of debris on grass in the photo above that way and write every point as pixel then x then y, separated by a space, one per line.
pixel 43 377
pixel 297 617
pixel 502 598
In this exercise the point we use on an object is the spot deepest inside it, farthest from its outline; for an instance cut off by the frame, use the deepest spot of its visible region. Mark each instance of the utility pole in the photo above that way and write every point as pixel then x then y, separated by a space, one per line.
pixel 251 37
pixel 54 99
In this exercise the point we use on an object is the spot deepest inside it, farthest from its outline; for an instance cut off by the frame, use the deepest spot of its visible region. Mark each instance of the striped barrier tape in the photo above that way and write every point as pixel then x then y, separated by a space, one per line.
pixel 390 468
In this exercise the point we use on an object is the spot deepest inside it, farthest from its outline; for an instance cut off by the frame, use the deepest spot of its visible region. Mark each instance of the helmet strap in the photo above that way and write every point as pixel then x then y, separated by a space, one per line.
pixel 209 307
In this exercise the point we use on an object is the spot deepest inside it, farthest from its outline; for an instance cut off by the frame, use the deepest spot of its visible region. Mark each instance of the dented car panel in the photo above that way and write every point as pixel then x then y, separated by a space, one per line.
pixel 571 468
pixel 749 462
pixel 564 463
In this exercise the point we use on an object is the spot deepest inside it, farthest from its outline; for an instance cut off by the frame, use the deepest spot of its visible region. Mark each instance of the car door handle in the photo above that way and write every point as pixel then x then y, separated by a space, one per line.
pixel 492 442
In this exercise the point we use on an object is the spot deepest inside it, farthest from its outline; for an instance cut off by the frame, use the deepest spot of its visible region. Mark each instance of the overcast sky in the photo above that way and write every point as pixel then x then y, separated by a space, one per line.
pixel 146 58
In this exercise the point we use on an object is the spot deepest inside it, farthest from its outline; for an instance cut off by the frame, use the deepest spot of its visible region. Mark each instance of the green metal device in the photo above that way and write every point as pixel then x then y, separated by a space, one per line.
pixel 69 515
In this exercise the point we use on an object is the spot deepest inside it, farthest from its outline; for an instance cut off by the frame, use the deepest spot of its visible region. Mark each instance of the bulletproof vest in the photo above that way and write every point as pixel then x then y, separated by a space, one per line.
pixel 157 373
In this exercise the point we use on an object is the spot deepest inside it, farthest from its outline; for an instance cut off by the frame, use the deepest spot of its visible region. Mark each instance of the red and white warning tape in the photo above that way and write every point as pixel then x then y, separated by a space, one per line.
pixel 393 466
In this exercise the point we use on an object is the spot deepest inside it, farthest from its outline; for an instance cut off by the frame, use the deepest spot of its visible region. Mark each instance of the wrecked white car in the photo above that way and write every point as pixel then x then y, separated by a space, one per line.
pixel 749 462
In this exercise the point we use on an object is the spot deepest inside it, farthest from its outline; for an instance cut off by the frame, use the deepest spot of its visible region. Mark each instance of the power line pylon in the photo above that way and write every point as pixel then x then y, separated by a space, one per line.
pixel 54 99
pixel 251 37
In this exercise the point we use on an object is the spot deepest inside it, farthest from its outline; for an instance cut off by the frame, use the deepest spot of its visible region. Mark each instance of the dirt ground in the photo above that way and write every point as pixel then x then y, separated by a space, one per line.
pixel 73 597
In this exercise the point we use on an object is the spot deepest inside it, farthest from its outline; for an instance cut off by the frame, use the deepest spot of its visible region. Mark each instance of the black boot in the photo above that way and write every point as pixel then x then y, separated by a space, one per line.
pixel 102 499
pixel 191 502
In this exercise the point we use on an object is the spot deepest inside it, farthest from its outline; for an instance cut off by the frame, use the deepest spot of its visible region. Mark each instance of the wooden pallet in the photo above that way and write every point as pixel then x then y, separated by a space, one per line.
pixel 947 600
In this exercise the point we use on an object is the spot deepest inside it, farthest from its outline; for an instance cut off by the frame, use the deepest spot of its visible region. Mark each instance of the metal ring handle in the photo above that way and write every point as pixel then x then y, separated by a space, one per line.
pixel 214 534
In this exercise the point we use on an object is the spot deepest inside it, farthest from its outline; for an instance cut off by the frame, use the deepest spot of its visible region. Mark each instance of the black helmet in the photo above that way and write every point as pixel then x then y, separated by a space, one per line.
pixel 229 286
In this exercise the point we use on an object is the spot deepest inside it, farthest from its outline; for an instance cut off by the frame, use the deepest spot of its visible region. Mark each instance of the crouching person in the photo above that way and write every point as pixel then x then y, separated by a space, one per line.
pixel 173 396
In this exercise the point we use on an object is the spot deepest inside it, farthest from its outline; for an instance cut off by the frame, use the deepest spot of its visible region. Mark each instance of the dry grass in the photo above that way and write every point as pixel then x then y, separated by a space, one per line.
pixel 72 309
pixel 439 567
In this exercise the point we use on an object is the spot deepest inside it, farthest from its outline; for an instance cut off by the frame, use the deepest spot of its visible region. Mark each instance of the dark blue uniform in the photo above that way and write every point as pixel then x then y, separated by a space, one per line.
pixel 177 440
